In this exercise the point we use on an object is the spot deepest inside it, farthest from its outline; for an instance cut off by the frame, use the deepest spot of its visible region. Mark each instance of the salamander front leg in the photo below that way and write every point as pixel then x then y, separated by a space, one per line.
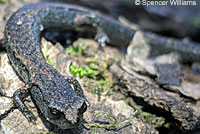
pixel 77 87
pixel 18 99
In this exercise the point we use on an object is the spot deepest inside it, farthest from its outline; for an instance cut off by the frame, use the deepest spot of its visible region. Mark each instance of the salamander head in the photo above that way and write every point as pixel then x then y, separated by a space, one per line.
pixel 57 100
pixel 66 115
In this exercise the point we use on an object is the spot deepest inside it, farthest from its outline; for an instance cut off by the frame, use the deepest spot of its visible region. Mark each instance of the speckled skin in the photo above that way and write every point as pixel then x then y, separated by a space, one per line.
pixel 52 93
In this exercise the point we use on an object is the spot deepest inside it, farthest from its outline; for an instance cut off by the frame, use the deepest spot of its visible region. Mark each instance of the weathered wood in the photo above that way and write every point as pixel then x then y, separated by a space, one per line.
pixel 155 96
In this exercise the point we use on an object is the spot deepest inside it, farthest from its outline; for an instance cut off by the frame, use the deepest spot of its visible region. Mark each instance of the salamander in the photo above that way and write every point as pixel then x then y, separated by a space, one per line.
pixel 52 92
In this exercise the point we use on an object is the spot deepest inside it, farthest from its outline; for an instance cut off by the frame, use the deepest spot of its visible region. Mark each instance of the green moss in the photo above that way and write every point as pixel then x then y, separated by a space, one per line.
pixel 98 90
pixel 77 50
pixel 47 57
pixel 48 61
pixel 47 133
pixel 94 132
pixel 93 65
pixel 95 56
pixel 118 58
pixel 80 71
pixel 95 69
pixel 167 125
pixel 146 116
pixel 3 1
pixel 153 119
pixel 113 124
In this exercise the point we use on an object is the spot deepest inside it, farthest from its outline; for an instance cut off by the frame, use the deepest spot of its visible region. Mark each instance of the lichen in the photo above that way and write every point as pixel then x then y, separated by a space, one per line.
pixel 106 126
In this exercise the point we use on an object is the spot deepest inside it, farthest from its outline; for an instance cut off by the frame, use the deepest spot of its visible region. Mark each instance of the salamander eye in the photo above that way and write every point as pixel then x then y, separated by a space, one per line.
pixel 55 112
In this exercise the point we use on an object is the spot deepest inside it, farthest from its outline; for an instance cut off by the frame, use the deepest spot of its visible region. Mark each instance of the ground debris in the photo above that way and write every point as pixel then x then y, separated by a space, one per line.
pixel 155 96
pixel 164 61
pixel 145 44
pixel 101 74
pixel 126 121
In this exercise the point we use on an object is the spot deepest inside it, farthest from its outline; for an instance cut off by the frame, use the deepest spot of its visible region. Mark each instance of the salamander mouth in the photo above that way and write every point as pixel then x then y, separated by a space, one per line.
pixel 80 113
pixel 69 125
pixel 83 108
pixel 62 122
pixel 79 119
